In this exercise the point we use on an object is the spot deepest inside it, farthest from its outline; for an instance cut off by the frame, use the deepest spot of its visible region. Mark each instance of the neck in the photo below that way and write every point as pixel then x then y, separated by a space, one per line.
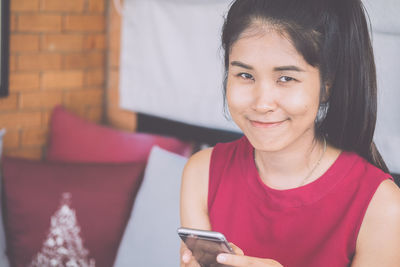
pixel 291 167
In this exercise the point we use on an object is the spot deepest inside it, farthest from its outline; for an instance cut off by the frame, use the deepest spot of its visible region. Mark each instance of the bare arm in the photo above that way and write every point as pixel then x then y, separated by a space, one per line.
pixel 378 242
pixel 194 193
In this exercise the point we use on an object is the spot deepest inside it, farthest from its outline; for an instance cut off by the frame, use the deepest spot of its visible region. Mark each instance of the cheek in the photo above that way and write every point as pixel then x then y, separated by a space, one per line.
pixel 302 104
pixel 238 97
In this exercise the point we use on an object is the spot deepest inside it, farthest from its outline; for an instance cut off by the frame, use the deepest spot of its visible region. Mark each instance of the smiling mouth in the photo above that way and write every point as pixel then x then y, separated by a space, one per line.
pixel 259 124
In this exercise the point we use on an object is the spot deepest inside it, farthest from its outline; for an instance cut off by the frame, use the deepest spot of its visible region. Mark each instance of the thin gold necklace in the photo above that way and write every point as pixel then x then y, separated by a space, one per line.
pixel 316 165
pixel 312 170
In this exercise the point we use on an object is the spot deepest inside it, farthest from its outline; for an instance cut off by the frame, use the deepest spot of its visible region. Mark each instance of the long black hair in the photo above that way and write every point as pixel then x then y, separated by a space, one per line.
pixel 333 36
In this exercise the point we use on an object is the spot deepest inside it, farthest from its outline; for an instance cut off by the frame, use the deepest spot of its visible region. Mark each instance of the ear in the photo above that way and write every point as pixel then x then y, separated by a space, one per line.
pixel 326 91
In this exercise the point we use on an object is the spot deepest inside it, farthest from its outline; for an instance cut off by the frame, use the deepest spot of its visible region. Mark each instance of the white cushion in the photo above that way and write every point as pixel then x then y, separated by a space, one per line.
pixel 150 238
pixel 3 257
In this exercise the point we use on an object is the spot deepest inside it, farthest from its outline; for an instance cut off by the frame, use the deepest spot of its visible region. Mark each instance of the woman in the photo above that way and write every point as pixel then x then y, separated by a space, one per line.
pixel 306 185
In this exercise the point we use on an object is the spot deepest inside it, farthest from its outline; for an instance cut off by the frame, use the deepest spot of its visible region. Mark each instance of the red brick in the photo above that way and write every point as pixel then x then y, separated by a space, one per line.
pixel 10 102
pixel 121 119
pixel 115 40
pixel 113 97
pixel 114 48
pixel 11 139
pixel 42 61
pixel 94 114
pixel 113 80
pixel 24 42
pixel 13 23
pixel 115 18
pixel 95 42
pixel 77 108
pixel 34 153
pixel 84 60
pixel 112 89
pixel 62 42
pixel 85 23
pixel 62 79
pixel 96 5
pixel 40 100
pixel 63 5
pixel 34 137
pixel 23 81
pixel 114 29
pixel 24 5
pixel 39 22
pixel 87 97
pixel 46 116
pixel 13 63
pixel 114 57
pixel 16 120
pixel 95 77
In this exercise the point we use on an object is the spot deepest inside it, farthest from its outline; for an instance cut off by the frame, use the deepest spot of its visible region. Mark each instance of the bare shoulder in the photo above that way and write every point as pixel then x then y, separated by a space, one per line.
pixel 199 162
pixel 385 203
pixel 379 237
pixel 194 190
pixel 390 191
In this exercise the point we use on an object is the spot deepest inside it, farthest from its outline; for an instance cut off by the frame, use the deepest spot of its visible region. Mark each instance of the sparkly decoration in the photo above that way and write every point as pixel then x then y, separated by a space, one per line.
pixel 63 246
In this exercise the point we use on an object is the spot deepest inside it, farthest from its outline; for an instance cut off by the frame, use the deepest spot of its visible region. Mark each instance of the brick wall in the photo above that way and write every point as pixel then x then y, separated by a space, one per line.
pixel 57 56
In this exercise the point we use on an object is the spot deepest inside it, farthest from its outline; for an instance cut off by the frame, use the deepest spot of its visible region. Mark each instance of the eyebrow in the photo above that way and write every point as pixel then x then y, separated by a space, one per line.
pixel 288 68
pixel 242 65
pixel 280 68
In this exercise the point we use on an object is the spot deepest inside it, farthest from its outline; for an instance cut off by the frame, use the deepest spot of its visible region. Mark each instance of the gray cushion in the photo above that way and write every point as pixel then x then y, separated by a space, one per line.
pixel 150 238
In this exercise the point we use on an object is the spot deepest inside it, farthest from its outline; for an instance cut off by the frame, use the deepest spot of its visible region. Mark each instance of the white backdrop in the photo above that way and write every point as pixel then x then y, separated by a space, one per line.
pixel 171 61
pixel 385 20
pixel 172 64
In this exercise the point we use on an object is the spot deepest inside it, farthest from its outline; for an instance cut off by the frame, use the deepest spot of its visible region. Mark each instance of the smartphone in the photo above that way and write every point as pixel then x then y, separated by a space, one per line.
pixel 205 245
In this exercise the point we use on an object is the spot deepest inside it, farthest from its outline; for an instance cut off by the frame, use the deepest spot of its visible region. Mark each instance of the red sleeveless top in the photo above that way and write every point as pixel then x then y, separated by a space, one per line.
pixel 310 226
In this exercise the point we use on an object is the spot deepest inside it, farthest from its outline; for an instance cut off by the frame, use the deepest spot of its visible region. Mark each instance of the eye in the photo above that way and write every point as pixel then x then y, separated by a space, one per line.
pixel 245 76
pixel 285 79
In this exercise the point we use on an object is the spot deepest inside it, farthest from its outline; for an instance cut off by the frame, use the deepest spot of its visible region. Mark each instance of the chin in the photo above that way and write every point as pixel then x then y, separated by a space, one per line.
pixel 267 144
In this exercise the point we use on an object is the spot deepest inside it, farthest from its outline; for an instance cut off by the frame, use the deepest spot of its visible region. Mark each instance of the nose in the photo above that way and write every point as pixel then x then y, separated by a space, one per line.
pixel 264 98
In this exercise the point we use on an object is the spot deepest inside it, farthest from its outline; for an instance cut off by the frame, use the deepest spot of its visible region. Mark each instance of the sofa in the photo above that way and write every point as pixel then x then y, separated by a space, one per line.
pixel 102 197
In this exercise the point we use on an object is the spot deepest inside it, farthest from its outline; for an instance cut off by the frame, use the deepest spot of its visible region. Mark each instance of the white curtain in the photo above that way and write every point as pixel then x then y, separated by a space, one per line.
pixel 171 60
pixel 385 20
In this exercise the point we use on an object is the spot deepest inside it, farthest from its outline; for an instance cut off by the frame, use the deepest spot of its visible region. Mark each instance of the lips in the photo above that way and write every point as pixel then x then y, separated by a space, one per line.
pixel 269 124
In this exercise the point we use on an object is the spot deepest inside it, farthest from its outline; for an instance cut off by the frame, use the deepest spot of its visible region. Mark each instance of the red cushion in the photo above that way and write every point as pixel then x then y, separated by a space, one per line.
pixel 101 195
pixel 73 139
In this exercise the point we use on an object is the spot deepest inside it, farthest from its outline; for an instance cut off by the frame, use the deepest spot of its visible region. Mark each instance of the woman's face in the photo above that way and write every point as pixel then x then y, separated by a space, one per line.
pixel 272 92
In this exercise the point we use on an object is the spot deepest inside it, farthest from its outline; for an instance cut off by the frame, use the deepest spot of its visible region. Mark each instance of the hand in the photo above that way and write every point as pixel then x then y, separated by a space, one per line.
pixel 240 260
pixel 187 259
pixel 204 254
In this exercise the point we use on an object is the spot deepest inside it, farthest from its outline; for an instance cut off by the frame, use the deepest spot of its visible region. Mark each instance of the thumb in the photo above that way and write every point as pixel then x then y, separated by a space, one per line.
pixel 236 249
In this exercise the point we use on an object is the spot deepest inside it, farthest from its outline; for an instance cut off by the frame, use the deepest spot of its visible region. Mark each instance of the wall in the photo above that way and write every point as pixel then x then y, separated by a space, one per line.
pixel 57 56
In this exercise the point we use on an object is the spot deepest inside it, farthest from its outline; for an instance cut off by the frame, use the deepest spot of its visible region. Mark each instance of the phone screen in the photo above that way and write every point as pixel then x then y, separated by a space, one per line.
pixel 205 249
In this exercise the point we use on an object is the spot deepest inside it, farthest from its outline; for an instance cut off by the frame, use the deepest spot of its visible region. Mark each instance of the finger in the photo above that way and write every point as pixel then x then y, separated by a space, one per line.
pixel 232 260
pixel 241 261
pixel 187 259
pixel 236 249
pixel 186 256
